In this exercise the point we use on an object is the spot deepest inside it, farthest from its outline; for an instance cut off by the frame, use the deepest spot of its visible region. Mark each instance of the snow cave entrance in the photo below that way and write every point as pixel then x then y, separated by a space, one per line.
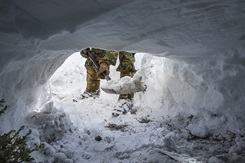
pixel 165 128
pixel 69 82
pixel 172 89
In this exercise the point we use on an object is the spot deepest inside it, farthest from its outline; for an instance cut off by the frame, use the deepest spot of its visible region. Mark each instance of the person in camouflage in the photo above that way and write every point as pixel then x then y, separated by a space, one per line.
pixel 126 68
pixel 92 78
pixel 105 59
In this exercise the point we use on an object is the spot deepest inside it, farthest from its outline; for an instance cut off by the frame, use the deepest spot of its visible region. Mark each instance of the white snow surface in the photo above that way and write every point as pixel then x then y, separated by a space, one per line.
pixel 191 55
pixel 125 85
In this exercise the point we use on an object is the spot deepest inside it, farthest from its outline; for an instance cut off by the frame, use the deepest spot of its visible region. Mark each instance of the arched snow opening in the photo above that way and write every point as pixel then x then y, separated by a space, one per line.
pixel 202 95
pixel 179 105
pixel 174 88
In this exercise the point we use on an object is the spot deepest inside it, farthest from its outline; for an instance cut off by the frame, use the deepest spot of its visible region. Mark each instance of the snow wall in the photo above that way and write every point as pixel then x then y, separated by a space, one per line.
pixel 203 43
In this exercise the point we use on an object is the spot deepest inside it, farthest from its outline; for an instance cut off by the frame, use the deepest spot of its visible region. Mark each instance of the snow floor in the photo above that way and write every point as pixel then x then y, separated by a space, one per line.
pixel 80 131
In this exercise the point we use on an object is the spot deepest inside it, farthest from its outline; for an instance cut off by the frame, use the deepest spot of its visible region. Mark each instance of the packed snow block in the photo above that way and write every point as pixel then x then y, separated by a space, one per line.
pixel 239 146
pixel 49 150
pixel 52 123
pixel 183 158
pixel 47 107
pixel 169 141
pixel 60 156
pixel 215 160
pixel 198 130
pixel 125 85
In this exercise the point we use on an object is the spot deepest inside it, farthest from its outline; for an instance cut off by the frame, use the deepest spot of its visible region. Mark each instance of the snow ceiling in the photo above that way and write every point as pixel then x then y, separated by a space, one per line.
pixel 208 37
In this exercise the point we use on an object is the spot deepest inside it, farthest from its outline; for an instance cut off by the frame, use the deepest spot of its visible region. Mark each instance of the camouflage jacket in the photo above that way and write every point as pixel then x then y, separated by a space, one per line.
pixel 110 57
pixel 126 60
pixel 100 55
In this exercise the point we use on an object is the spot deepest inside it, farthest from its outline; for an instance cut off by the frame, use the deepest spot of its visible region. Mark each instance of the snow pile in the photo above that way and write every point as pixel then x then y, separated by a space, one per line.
pixel 196 93
pixel 189 88
pixel 53 123
pixel 157 132
pixel 36 38
pixel 125 85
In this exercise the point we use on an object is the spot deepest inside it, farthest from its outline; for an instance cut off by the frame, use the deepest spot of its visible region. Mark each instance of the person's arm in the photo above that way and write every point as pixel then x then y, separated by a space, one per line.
pixel 110 58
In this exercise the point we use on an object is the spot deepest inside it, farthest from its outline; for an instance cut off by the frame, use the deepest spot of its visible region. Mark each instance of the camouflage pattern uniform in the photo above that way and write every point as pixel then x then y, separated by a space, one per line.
pixel 126 67
pixel 110 58
pixel 93 82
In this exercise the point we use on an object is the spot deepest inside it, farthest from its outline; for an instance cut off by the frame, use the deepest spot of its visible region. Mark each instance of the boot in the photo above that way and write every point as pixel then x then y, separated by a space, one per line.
pixel 123 106
pixel 125 101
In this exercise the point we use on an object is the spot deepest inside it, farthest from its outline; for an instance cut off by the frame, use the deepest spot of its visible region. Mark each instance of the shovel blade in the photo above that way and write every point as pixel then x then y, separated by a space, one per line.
pixel 109 90
pixel 125 85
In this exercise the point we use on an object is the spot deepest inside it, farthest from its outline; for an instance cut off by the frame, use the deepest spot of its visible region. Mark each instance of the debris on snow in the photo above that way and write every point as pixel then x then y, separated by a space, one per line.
pixel 116 127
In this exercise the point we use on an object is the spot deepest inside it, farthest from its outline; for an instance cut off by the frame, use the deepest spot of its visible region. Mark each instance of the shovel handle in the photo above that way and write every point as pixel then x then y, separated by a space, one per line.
pixel 91 57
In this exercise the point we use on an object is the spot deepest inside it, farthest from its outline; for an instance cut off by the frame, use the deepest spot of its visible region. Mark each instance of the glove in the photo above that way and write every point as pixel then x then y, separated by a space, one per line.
pixel 104 69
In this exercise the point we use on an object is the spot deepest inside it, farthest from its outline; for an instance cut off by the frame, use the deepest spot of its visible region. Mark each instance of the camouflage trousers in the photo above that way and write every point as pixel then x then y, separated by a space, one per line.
pixel 126 68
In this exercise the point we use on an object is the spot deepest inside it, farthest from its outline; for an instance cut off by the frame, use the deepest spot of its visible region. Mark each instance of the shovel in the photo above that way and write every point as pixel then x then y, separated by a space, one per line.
pixel 91 57
pixel 125 85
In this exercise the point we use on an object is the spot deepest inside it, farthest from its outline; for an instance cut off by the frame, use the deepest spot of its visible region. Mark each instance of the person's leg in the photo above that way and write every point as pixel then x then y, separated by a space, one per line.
pixel 126 68
pixel 126 96
pixel 93 82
